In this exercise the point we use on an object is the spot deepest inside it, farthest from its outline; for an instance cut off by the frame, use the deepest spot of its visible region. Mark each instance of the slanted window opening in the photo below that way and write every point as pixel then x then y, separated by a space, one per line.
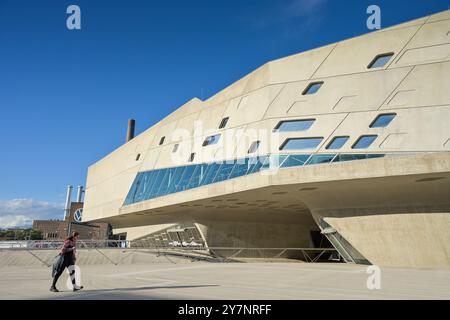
pixel 312 88
pixel 337 142
pixel 162 140
pixel 301 143
pixel 223 123
pixel 365 141
pixel 138 156
pixel 383 120
pixel 192 157
pixel 175 148
pixel 380 60
pixel 294 125
pixel 254 147
pixel 211 140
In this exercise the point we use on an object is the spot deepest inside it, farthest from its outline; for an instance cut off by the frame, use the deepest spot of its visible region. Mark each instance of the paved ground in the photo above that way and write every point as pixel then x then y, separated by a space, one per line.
pixel 227 281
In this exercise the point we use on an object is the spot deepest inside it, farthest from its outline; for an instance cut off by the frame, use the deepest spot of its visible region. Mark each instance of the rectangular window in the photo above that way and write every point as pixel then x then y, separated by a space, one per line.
pixel 254 147
pixel 162 140
pixel 211 140
pixel 301 143
pixel 383 120
pixel 294 125
pixel 337 143
pixel 192 157
pixel 223 123
pixel 138 157
pixel 175 148
pixel 380 60
pixel 364 142
pixel 312 88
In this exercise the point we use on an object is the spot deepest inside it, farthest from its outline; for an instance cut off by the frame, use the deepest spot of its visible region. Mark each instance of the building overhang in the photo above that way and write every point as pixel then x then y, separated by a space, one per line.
pixel 292 192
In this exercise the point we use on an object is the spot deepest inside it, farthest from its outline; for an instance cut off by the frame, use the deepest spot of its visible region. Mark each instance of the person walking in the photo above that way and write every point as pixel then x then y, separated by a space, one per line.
pixel 68 255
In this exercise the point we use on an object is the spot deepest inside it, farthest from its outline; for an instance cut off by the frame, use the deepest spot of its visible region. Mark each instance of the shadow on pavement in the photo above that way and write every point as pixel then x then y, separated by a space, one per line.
pixel 146 288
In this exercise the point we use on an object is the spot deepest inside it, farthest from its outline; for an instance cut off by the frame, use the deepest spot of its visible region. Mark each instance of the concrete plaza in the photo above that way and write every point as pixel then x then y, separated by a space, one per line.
pixel 200 280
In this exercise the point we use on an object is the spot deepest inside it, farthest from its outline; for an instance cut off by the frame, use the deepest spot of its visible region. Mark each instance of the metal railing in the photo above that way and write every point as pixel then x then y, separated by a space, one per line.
pixel 229 254
pixel 57 244
pixel 197 252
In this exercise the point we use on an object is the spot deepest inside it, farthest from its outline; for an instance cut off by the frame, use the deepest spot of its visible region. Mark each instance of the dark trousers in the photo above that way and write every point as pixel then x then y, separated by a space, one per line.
pixel 68 261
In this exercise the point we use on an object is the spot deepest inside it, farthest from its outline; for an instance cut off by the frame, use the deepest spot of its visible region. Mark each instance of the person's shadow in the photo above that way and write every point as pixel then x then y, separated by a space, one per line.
pixel 148 288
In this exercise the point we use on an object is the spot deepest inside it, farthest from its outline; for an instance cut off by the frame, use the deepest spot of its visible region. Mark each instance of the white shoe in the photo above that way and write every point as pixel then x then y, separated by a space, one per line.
pixel 76 288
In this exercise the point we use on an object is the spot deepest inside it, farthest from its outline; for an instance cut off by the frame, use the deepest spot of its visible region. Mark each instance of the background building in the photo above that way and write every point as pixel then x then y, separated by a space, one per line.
pixel 60 229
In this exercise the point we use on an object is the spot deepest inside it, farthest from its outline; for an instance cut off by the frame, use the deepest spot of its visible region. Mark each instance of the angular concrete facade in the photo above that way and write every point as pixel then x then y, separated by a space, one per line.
pixel 351 139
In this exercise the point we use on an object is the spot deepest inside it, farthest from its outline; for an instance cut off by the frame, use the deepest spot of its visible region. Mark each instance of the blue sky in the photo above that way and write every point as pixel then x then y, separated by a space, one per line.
pixel 65 96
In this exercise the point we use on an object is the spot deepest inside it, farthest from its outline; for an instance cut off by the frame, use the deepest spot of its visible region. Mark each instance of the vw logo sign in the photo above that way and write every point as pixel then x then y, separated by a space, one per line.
pixel 78 215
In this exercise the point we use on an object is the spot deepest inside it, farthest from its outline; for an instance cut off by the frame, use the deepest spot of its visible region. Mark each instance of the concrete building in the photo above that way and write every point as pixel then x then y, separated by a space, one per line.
pixel 350 141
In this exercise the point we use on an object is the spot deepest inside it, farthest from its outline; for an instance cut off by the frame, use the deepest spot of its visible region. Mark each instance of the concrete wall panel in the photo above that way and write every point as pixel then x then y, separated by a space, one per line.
pixel 426 85
pixel 354 55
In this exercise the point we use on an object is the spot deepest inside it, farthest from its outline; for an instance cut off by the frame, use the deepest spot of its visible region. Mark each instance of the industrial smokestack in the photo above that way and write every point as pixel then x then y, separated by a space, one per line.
pixel 130 130
pixel 68 200
pixel 80 193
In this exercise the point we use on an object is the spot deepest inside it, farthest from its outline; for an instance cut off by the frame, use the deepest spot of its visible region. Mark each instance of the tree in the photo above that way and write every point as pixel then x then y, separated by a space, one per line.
pixel 20 234
pixel 36 235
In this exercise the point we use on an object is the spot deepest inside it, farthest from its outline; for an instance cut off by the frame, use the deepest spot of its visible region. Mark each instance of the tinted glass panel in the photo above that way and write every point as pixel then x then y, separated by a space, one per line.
pixel 240 169
pixel 141 188
pixel 176 178
pixel 337 143
pixel 383 120
pixel 254 147
pixel 162 140
pixel 273 162
pixel 349 157
pixel 159 176
pixel 320 158
pixel 165 184
pixel 197 176
pixel 210 174
pixel 132 193
pixel 294 125
pixel 211 140
pixel 364 142
pixel 312 88
pixel 223 123
pixel 175 148
pixel 184 181
pixel 155 183
pixel 255 164
pixel 301 143
pixel 225 171
pixel 150 182
pixel 295 160
pixel 373 156
pixel 380 61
